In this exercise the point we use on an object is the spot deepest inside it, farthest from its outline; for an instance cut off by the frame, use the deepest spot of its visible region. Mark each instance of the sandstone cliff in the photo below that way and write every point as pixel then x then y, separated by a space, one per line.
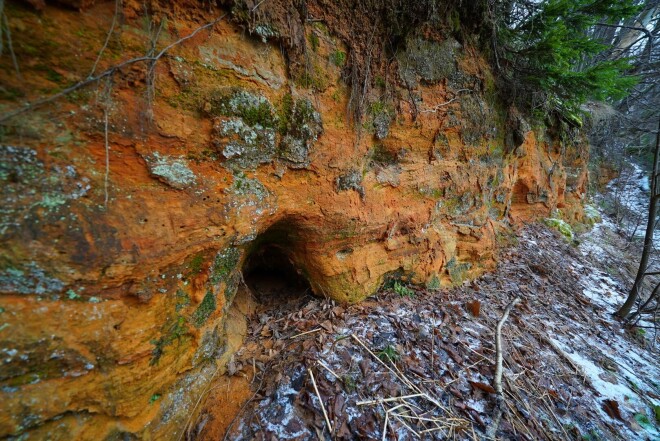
pixel 130 205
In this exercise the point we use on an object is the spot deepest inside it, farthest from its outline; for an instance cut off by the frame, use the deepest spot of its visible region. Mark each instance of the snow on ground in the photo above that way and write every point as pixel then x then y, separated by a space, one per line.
pixel 571 371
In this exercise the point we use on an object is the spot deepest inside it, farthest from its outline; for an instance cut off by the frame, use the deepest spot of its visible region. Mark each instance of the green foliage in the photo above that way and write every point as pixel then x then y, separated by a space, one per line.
pixel 154 398
pixel 204 310
pixel 389 353
pixel 552 50
pixel 403 290
pixel 338 58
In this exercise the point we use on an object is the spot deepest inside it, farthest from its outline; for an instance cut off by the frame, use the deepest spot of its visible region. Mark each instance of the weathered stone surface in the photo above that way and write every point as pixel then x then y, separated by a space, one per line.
pixel 115 315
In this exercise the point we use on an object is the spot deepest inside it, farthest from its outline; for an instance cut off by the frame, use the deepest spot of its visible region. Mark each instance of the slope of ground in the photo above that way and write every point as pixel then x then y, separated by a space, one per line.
pixel 570 370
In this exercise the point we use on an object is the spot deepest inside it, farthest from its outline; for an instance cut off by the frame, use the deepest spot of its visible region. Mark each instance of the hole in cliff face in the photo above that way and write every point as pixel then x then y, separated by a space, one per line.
pixel 273 278
pixel 519 193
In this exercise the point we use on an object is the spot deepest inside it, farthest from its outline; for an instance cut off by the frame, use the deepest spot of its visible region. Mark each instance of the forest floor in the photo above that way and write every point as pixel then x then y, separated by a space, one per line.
pixel 421 364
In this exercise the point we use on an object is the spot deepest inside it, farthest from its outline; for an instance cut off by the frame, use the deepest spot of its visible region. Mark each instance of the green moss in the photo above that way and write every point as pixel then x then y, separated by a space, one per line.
pixel 338 58
pixel 182 300
pixel 204 310
pixel 433 283
pixel 381 155
pixel 224 264
pixel 563 227
pixel 284 112
pixel 195 265
pixel 314 41
pixel 457 270
pixel 312 79
pixel 154 398
pixel 174 330
pixel 251 108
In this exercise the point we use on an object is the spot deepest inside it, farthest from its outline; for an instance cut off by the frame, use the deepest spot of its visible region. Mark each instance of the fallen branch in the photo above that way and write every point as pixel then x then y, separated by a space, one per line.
pixel 497 381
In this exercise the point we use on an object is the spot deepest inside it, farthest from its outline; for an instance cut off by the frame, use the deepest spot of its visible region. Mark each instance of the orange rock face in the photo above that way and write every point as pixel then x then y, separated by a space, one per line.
pixel 130 205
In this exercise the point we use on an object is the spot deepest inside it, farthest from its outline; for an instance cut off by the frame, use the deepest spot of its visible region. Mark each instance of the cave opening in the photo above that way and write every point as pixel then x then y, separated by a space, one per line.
pixel 271 275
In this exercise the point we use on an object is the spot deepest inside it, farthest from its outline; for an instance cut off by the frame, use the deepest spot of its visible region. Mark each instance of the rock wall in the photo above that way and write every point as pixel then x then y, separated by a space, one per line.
pixel 130 205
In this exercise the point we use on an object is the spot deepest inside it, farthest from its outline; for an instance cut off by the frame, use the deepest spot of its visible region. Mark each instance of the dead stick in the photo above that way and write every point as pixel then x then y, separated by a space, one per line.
pixel 325 414
pixel 497 381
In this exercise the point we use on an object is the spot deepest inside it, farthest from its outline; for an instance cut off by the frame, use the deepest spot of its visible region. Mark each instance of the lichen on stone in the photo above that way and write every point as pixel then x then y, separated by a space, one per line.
pixel 382 123
pixel 244 147
pixel 253 109
pixel 266 32
pixel 244 128
pixel 30 279
pixel 245 186
pixel 427 60
pixel 31 191
pixel 301 125
pixel 174 171
pixel 210 347
pixel 352 180
pixel 457 270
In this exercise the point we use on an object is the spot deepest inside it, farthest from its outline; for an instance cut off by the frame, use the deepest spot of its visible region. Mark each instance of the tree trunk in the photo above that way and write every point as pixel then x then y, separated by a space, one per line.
pixel 625 309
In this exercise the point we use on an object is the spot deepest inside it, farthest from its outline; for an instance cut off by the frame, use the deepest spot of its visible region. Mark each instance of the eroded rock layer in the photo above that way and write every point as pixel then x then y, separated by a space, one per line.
pixel 130 205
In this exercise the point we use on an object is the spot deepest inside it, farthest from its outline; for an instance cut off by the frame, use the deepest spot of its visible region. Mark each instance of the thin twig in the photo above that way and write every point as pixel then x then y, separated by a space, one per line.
pixel 305 333
pixel 386 400
pixel 325 414
pixel 107 38
pixel 106 73
pixel 14 60
pixel 497 381
pixel 107 154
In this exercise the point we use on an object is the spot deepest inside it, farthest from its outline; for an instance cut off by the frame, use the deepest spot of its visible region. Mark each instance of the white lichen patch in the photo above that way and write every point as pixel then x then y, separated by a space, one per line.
pixel 174 171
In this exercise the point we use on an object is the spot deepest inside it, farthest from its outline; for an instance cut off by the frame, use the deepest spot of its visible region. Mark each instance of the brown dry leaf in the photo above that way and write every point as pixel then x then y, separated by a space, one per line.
pixel 453 354
pixel 327 325
pixel 611 408
pixel 474 307
pixel 483 386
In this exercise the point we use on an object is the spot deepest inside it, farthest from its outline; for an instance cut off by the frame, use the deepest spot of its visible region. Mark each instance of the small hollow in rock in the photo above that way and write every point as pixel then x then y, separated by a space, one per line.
pixel 273 278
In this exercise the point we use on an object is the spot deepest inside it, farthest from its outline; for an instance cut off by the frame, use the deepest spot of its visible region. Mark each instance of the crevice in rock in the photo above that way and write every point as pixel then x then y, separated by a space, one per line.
pixel 270 271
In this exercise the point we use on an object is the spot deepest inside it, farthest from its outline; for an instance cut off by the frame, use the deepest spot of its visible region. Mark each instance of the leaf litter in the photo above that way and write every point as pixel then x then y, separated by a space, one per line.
pixel 422 366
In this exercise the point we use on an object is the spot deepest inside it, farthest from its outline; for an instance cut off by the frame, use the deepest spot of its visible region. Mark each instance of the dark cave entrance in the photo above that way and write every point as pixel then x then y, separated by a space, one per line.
pixel 271 274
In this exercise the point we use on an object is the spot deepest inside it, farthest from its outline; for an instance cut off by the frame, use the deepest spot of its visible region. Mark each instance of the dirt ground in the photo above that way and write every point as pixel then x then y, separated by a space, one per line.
pixel 419 364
